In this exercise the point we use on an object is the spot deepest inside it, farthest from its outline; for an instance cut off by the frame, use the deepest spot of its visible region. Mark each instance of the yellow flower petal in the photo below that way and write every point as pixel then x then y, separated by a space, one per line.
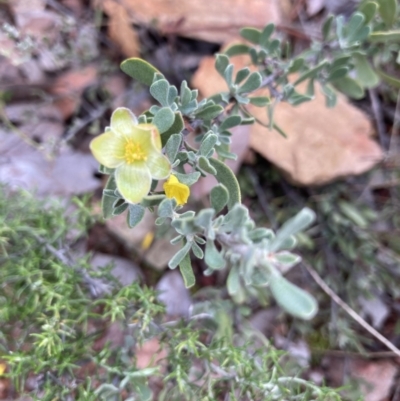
pixel 147 240
pixel 108 149
pixel 174 189
pixel 3 368
pixel 123 120
pixel 133 181
pixel 159 165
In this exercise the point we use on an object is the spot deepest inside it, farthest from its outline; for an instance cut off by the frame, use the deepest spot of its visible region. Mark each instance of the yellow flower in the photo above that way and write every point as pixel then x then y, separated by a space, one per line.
pixel 3 368
pixel 134 151
pixel 174 189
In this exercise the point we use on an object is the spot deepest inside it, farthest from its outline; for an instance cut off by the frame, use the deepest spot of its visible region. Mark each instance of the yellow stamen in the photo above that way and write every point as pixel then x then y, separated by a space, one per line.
pixel 133 152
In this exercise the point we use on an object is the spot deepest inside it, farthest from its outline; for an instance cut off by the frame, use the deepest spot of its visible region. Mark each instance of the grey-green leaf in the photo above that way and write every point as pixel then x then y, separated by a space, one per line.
pixel 266 34
pixel 251 34
pixel 296 224
pixel 365 74
pixel 172 146
pixel 259 101
pixel 237 49
pixel 349 87
pixel 189 178
pixel 230 122
pixel 210 112
pixel 179 256
pixel 219 197
pixel 221 62
pixel 293 299
pixel 175 128
pixel 166 207
pixel 135 215
pixel 233 283
pixel 208 144
pixel 388 11
pixel 159 90
pixel 369 10
pixel 312 73
pixel 140 70
pixel 213 258
pixel 164 119
pixel 205 165
pixel 252 83
pixel 187 271
pixel 226 177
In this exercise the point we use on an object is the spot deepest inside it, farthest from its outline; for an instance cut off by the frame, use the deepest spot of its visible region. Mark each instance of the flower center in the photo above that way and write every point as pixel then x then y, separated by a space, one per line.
pixel 133 152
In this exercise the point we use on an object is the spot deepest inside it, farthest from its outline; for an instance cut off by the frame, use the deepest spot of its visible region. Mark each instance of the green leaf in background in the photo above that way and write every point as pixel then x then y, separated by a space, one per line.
pixel 251 34
pixel 219 197
pixel 352 212
pixel 179 256
pixel 172 146
pixel 369 10
pixel 185 266
pixel 395 82
pixel 367 77
pixel 388 11
pixel 135 215
pixel 349 87
pixel 385 36
pixel 338 73
pixel 164 119
pixel 237 49
pixel 293 299
pixel 221 63
pixel 140 70
pixel 296 224
pixel 326 27
pixel 353 27
pixel 226 177
pixel 266 34
pixel 296 65
pixel 177 126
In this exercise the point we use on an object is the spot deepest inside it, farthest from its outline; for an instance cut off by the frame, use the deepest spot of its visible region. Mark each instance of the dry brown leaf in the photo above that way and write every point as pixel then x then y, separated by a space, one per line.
pixel 69 87
pixel 323 143
pixel 149 354
pixel 120 28
pixel 376 378
pixel 214 21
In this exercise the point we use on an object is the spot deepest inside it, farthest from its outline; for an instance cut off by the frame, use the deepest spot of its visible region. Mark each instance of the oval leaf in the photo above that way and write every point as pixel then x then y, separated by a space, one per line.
pixel 140 70
pixel 293 299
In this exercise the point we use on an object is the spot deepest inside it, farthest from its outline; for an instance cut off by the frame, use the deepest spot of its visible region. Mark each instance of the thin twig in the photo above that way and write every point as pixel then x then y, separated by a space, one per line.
pixel 376 109
pixel 349 310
